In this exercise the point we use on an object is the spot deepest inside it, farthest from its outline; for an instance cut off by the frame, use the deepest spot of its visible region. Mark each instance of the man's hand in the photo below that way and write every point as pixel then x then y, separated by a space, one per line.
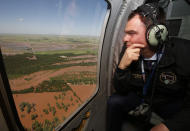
pixel 131 54
pixel 160 127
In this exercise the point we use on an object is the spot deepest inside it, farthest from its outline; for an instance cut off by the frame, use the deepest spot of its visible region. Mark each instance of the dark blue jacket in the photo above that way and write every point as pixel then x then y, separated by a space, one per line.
pixel 170 85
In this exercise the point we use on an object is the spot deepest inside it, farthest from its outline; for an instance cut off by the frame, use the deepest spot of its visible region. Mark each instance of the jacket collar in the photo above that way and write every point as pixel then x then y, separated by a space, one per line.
pixel 167 58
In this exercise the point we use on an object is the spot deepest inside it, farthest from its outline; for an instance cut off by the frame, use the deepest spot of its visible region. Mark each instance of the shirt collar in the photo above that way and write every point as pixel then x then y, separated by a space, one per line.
pixel 154 57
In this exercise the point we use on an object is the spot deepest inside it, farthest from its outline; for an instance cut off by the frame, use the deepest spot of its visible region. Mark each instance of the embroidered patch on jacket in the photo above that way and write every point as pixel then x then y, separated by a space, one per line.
pixel 137 76
pixel 168 77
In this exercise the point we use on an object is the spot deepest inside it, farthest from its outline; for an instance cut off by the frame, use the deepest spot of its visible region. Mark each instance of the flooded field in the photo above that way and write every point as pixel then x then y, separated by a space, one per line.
pixel 50 76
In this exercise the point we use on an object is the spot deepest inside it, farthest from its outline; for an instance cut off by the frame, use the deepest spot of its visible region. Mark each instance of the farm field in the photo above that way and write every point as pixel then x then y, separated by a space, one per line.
pixel 50 76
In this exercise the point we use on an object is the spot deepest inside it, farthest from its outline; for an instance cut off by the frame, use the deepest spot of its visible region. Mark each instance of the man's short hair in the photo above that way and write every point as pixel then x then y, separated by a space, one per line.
pixel 146 20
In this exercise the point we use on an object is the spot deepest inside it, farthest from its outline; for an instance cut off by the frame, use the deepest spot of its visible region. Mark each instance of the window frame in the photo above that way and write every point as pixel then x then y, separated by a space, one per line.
pixel 7 101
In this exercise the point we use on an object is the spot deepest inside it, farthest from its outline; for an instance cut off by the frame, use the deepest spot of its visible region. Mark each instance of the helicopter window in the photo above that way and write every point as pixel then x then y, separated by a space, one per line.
pixel 50 52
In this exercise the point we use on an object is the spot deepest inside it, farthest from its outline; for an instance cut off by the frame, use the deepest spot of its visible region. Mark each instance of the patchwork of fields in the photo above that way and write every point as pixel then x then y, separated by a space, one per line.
pixel 50 76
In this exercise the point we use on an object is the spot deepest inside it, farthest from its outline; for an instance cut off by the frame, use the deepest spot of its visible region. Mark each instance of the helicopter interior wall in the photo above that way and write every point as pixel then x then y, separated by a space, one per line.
pixel 180 8
pixel 180 11
pixel 185 28
pixel 3 125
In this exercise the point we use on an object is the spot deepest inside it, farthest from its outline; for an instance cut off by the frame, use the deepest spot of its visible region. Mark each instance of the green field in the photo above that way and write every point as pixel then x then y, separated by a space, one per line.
pixel 36 39
pixel 27 55
pixel 19 49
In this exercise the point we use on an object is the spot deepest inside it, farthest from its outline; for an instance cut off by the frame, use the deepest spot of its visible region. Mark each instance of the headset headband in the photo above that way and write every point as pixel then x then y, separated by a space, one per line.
pixel 149 10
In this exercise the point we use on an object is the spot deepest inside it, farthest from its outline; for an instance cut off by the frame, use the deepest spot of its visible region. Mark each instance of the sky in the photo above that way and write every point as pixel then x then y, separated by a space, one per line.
pixel 58 17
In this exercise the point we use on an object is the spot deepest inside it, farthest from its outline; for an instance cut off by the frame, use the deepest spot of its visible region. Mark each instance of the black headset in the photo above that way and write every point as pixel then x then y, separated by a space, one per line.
pixel 156 33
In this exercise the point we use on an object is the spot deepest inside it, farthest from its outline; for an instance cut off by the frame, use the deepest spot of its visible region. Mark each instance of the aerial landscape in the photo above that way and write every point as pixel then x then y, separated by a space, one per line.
pixel 50 76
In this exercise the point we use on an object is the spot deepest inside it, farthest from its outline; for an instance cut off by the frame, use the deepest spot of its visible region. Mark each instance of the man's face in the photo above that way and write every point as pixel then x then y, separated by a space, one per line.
pixel 135 32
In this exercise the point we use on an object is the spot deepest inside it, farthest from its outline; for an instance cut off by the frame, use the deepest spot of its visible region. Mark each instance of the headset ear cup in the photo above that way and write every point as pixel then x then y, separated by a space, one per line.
pixel 155 34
